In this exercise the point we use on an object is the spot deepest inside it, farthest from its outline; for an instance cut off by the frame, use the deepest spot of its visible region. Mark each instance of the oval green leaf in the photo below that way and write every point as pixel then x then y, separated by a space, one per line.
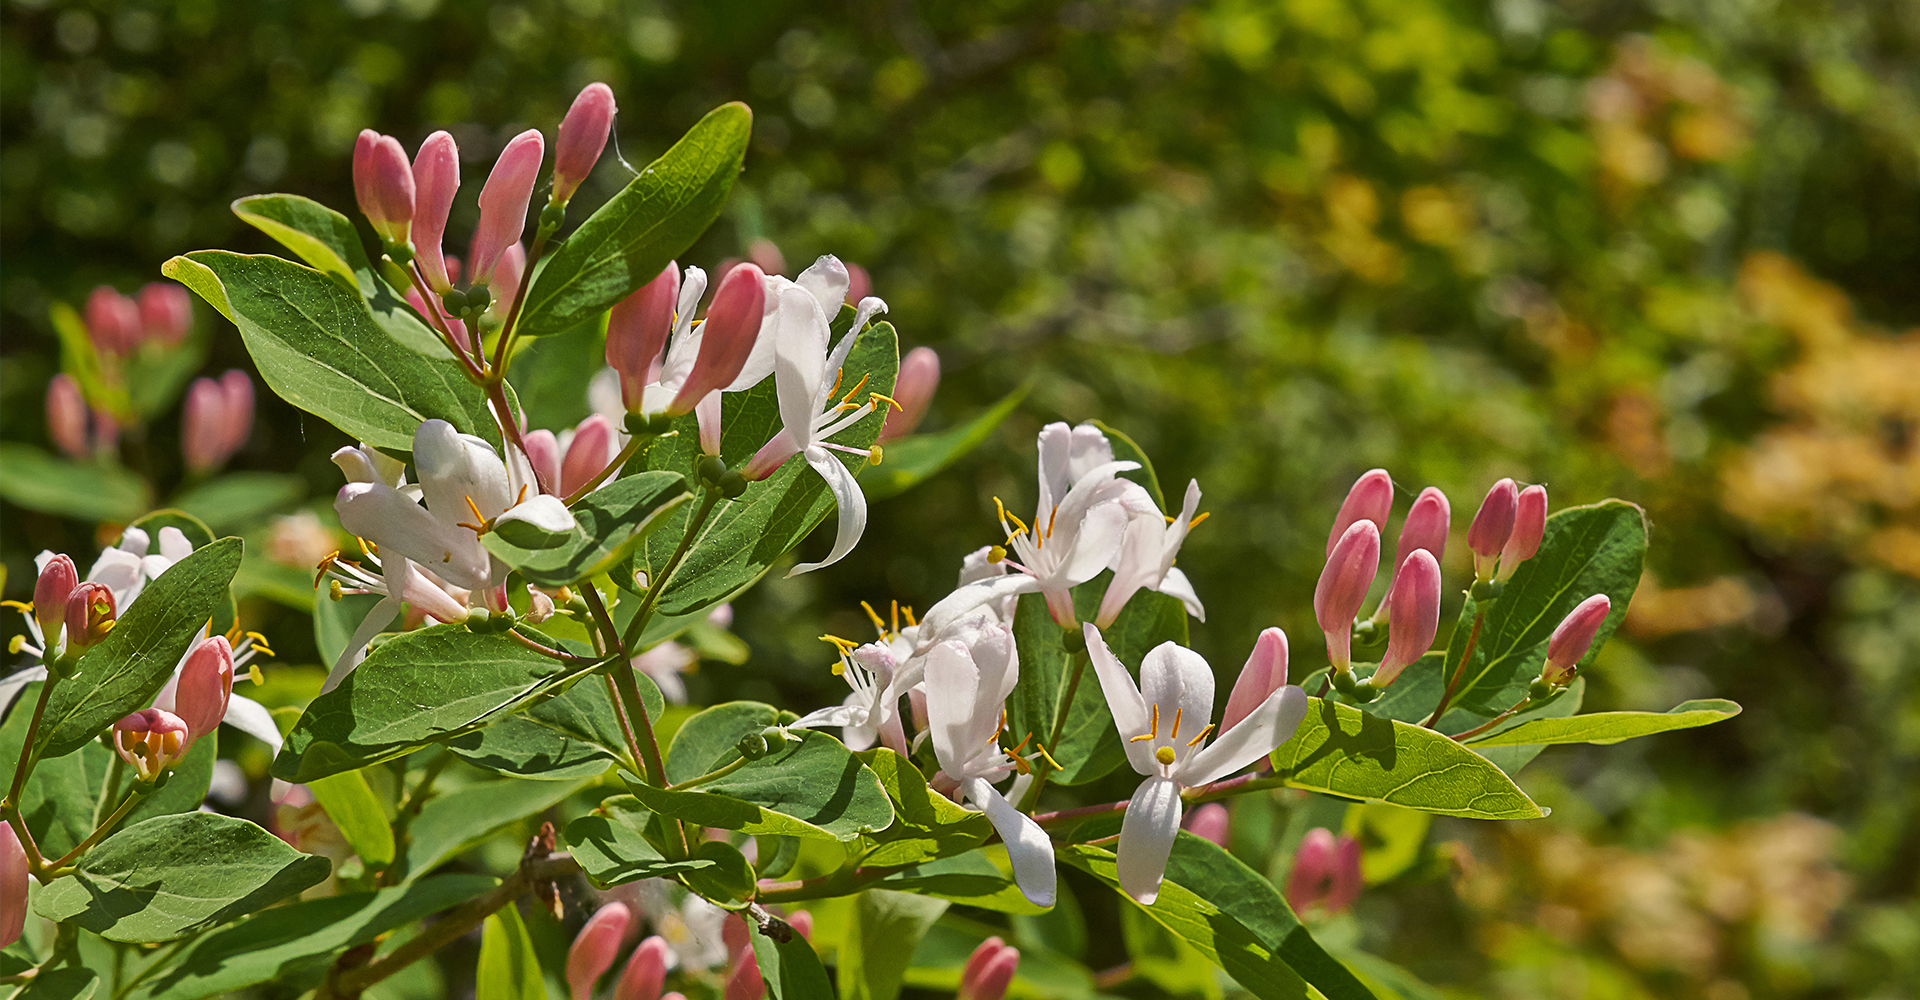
pixel 1346 752
pixel 1611 727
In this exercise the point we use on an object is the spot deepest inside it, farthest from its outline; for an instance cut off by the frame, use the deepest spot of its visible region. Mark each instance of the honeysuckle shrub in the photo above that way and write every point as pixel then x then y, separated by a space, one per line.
pixel 496 644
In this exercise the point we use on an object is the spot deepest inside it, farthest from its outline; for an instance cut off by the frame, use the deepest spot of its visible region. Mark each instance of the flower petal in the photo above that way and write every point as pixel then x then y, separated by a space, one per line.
pixel 1123 700
pixel 847 496
pixel 799 362
pixel 1254 737
pixel 252 718
pixel 1028 846
pixel 378 619
pixel 1146 838
pixel 953 687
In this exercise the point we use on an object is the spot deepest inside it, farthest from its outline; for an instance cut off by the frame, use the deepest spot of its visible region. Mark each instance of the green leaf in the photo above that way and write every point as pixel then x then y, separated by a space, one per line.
pixel 573 735
pixel 420 688
pixel 1597 549
pixel 170 876
pixel 239 499
pixel 727 880
pixel 1343 751
pixel 60 984
pixel 1611 727
pixel 84 491
pixel 128 667
pixel 79 359
pixel 362 820
pixel 912 460
pixel 611 520
pixel 1512 759
pixel 156 373
pixel 982 878
pixel 926 825
pixel 880 940
pixel 815 788
pixel 449 824
pixel 318 346
pixel 790 968
pixel 706 740
pixel 612 849
pixel 639 231
pixel 292 946
pixel 1165 959
pixel 334 622
pixel 745 537
pixel 508 969
pixel 1089 747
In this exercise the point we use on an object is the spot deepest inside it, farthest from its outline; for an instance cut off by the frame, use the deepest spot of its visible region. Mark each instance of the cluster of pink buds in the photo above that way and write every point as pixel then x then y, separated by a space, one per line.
pixel 989 971
pixel 598 944
pixel 1411 605
pixel 154 740
pixel 662 379
pixel 216 421
pixel 118 324
pixel 1507 530
pixel 1326 873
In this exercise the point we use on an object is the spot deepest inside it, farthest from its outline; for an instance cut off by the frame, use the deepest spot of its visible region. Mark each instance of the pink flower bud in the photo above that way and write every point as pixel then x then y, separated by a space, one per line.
pixel 859 284
pixel 503 202
pixel 1414 616
pixel 67 416
pixel 436 178
pixel 1426 527
pixel 383 183
pixel 734 934
pixel 766 256
pixel 637 329
pixel 113 321
pixel 1573 637
pixel 1265 673
pixel 727 337
pixel 989 971
pixel 1529 526
pixel 587 455
pixel 1371 499
pixel 89 615
pixel 595 948
pixel 913 390
pixel 744 983
pixel 506 278
pixel 14 876
pixel 1208 821
pixel 55 584
pixel 152 740
pixel 583 134
pixel 1343 586
pixel 205 686
pixel 802 923
pixel 1326 871
pixel 1493 525
pixel 203 425
pixel 239 389
pixel 646 971
pixel 166 312
pixel 543 452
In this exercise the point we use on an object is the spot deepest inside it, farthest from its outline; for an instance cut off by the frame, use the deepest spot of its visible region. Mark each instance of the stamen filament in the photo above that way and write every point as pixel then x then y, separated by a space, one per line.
pixel 1203 735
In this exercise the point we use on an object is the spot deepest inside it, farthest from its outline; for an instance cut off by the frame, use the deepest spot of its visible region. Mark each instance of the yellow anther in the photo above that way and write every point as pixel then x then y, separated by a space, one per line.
pixel 879 624
pixel 324 565
pixel 20 606
pixel 908 613
pixel 1174 733
pixel 1043 752
pixel 896 617
pixel 334 592
pixel 1203 735
pixel 260 643
pixel 1142 736
pixel 837 376
pixel 839 668
pixel 845 645
pixel 890 401
pixel 479 525
pixel 254 674
pixel 1154 729
pixel 855 391
pixel 1165 755
pixel 873 455
pixel 16 644
pixel 996 554
pixel 1052 516
pixel 1197 518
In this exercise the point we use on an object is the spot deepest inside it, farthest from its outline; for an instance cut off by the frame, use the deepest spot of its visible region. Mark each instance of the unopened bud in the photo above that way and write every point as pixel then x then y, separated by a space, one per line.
pixel 1413 618
pixel 15 874
pixel 89 615
pixel 583 134
pixel 436 178
pixel 383 183
pixel 1265 672
pixel 50 592
pixel 1573 637
pixel 1428 521
pixel 745 981
pixel 67 416
pixel 1492 526
pixel 1370 499
pixel 712 470
pixel 1326 871
pixel 166 312
pixel 205 687
pixel 637 329
pixel 733 485
pixel 587 455
pixel 989 971
pixel 216 420
pixel 595 948
pixel 913 390
pixel 646 971
pixel 1529 526
pixel 1343 585
pixel 859 283
pixel 503 202
pixel 752 746
pixel 113 321
pixel 543 453
pixel 507 275
pixel 765 255
pixel 727 337
pixel 1210 821
pixel 151 740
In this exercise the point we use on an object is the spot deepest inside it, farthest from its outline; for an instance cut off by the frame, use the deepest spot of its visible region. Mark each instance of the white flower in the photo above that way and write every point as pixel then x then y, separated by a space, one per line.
pixel 663 664
pixel 967 688
pixel 807 377
pixel 1146 553
pixel 871 709
pixel 1165 721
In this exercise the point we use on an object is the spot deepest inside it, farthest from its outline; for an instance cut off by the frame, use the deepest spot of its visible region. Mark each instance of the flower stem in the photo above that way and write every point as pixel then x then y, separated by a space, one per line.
pixel 134 795
pixel 1521 706
pixel 713 775
pixel 1029 800
pixel 626 688
pixel 1459 670
pixel 511 328
pixel 658 585
pixel 28 752
pixel 844 882
pixel 626 453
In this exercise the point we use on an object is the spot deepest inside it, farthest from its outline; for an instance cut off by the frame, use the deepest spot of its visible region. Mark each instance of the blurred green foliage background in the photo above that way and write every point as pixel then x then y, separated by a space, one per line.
pixel 1655 249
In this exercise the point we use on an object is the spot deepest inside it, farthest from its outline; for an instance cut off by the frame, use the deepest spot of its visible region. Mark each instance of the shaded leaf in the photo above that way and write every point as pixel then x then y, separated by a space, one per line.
pixel 449 824
pixel 573 735
pixel 611 521
pixel 1343 751
pixel 84 491
pixel 352 806
pixel 815 788
pixel 612 849
pixel 926 824
pixel 880 939
pixel 509 968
